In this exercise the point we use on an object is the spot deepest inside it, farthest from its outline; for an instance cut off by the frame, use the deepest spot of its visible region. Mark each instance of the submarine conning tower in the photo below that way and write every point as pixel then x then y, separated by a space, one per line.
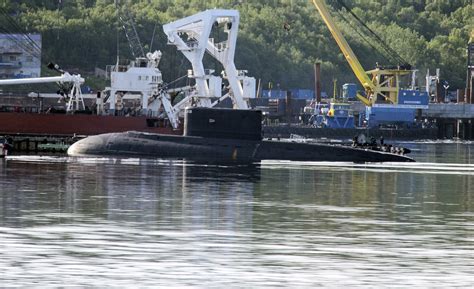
pixel 223 123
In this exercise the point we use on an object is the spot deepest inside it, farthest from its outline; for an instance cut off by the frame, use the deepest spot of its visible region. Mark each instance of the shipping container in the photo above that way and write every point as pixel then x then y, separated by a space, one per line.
pixel 274 94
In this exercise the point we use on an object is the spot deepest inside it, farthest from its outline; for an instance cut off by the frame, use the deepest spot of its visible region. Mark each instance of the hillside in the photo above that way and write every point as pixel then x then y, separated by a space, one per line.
pixel 279 40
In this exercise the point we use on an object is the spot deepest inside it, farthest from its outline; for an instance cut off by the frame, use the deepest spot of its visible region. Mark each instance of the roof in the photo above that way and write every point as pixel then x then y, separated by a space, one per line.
pixel 33 36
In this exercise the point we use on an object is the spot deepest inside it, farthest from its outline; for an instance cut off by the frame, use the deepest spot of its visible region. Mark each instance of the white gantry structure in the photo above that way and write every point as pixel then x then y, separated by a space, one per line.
pixel 191 36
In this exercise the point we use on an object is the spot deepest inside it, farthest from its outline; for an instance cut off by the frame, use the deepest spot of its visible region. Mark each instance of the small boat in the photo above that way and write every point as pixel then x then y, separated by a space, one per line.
pixel 227 135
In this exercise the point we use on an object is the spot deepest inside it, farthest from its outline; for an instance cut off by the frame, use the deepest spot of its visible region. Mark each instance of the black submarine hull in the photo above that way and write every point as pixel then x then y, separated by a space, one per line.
pixel 223 135
pixel 223 149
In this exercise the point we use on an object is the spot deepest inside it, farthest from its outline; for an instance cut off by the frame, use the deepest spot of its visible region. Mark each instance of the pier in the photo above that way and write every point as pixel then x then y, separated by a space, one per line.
pixel 41 143
pixel 443 121
pixel 454 120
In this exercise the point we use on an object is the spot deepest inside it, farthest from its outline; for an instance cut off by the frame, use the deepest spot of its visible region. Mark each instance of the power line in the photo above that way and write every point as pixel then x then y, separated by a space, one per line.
pixel 388 53
pixel 20 38
pixel 24 47
pixel 364 37
pixel 14 23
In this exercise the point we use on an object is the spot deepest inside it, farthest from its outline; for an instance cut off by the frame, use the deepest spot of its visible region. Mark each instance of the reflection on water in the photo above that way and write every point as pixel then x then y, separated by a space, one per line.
pixel 145 222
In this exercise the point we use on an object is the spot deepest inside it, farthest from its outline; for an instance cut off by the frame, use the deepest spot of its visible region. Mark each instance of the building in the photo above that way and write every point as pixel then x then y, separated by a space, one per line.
pixel 19 57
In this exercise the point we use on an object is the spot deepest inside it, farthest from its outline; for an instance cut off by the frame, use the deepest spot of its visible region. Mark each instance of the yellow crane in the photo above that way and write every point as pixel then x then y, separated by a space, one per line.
pixel 381 85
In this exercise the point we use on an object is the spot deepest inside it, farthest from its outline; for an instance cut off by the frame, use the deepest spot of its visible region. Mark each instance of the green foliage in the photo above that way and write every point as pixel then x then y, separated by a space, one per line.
pixel 279 40
pixel 96 83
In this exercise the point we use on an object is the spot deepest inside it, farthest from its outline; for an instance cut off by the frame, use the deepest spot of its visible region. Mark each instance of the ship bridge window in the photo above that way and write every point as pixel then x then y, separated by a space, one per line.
pixel 139 77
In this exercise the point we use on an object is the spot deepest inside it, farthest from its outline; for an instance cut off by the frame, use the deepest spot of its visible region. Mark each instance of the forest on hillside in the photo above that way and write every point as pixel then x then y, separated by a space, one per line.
pixel 279 40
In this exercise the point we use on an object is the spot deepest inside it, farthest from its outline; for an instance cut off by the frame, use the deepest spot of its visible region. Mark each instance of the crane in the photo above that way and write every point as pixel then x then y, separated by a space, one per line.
pixel 131 34
pixel 381 85
pixel 75 103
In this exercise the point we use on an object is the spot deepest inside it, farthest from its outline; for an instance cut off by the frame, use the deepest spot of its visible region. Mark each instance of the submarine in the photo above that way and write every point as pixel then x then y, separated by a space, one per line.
pixel 226 135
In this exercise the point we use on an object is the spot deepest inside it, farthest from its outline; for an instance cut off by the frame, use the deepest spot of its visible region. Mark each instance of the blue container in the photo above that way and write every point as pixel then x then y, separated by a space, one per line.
pixel 349 91
pixel 307 94
pixel 413 98
pixel 274 94
pixel 390 115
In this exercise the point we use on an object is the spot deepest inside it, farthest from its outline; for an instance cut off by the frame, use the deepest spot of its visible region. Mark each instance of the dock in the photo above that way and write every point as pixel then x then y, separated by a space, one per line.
pixel 453 120
pixel 443 121
pixel 26 143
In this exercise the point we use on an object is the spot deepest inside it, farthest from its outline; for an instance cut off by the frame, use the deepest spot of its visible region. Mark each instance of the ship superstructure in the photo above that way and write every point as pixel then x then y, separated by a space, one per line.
pixel 192 37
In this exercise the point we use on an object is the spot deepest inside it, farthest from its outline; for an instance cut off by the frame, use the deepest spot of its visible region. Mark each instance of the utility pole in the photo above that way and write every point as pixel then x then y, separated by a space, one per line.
pixel 317 81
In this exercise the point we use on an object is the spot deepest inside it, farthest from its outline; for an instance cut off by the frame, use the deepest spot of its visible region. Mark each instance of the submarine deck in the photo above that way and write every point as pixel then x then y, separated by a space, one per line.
pixel 220 149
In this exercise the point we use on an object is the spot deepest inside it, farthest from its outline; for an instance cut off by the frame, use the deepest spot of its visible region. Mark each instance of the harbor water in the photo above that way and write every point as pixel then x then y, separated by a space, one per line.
pixel 126 222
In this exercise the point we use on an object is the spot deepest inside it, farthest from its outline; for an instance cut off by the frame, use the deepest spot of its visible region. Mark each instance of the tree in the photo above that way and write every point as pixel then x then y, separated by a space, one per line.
pixel 279 40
